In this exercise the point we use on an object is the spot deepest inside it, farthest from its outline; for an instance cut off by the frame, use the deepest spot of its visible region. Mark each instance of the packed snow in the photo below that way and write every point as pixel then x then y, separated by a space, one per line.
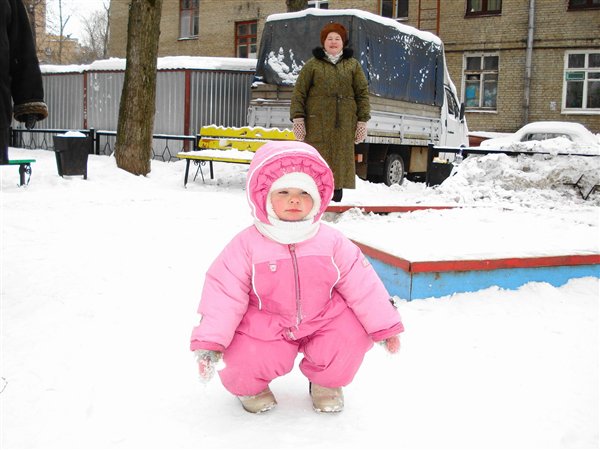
pixel 162 63
pixel 101 279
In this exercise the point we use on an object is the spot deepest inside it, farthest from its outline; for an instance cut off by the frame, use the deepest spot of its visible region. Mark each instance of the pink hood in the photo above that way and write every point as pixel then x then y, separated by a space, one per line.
pixel 275 159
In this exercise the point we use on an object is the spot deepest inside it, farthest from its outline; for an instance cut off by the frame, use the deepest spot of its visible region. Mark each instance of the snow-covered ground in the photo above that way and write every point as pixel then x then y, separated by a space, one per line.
pixel 101 280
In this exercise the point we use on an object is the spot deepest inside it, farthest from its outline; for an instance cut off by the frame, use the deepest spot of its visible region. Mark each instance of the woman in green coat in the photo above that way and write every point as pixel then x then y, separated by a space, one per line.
pixel 330 105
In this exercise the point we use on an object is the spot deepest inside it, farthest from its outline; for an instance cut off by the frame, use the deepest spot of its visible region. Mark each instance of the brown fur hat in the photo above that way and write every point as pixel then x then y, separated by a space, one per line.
pixel 334 27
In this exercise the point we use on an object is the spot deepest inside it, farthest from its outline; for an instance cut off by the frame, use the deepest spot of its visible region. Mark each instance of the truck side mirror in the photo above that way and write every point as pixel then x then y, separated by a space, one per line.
pixel 461 115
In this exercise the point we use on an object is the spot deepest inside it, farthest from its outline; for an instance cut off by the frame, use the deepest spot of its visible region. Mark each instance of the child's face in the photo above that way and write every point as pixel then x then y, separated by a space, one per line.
pixel 333 43
pixel 291 204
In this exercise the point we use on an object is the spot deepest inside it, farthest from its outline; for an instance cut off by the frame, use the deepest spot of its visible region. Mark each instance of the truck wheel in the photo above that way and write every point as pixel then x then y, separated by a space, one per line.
pixel 393 170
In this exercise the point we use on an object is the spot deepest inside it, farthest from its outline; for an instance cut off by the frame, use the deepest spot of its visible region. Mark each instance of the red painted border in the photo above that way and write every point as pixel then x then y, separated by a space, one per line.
pixel 186 102
pixel 483 264
pixel 504 263
pixel 384 257
pixel 383 209
pixel 85 100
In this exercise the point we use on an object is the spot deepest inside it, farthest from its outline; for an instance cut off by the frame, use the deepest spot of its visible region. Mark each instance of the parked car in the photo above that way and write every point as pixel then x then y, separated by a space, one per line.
pixel 528 137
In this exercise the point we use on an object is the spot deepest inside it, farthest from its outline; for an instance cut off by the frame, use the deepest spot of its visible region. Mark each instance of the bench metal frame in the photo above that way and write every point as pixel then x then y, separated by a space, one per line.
pixel 24 169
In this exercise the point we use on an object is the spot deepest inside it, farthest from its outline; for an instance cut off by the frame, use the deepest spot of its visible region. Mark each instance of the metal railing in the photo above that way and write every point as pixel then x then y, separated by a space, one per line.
pixel 165 146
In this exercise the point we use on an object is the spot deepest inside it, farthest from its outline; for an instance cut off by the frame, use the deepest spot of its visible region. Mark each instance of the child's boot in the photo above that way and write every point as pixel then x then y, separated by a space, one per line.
pixel 326 399
pixel 261 402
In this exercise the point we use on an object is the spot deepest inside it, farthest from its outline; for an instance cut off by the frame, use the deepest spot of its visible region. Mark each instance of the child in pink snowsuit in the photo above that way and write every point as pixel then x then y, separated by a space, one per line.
pixel 290 284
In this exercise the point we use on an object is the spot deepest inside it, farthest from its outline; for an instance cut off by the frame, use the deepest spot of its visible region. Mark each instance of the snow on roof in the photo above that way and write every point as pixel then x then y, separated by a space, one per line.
pixel 425 35
pixel 163 63
pixel 67 68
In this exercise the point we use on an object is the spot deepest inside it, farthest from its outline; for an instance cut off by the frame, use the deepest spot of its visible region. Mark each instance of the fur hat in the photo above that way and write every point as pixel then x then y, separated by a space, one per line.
pixel 298 180
pixel 334 27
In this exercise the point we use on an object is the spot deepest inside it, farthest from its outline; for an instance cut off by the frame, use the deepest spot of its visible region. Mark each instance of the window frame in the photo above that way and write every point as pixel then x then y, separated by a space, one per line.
pixel 395 8
pixel 481 85
pixel 484 10
pixel 586 70
pixel 194 19
pixel 317 4
pixel 588 5
pixel 247 38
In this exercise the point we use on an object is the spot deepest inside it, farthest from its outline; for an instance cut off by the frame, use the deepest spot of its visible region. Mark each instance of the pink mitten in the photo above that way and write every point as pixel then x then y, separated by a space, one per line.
pixel 299 129
pixel 361 132
pixel 207 363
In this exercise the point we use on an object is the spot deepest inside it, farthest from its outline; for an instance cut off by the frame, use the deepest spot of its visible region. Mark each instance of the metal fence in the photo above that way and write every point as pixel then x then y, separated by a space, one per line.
pixel 165 146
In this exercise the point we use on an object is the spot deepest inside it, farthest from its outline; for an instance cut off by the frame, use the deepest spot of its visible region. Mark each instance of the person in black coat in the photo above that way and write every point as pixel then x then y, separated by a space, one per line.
pixel 20 76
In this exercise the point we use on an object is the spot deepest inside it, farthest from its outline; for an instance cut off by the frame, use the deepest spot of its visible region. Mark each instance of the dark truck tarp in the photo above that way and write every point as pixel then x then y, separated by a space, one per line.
pixel 399 65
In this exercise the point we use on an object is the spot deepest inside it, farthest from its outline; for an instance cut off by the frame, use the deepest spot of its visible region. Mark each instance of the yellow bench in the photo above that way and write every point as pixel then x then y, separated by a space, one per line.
pixel 229 145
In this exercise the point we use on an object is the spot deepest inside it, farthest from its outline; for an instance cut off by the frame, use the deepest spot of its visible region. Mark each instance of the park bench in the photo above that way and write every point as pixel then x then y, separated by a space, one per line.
pixel 24 169
pixel 229 145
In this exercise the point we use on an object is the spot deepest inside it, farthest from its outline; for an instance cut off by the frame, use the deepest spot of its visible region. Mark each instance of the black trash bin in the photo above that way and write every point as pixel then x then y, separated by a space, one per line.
pixel 72 154
pixel 438 172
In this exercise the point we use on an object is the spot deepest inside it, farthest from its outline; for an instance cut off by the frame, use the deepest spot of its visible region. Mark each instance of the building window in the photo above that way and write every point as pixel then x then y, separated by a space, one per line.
pixel 319 4
pixel 395 9
pixel 581 89
pixel 245 39
pixel 481 81
pixel 189 13
pixel 584 4
pixel 483 7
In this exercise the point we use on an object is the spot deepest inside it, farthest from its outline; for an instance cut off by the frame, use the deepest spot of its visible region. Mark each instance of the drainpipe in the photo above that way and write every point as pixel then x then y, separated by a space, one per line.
pixel 528 58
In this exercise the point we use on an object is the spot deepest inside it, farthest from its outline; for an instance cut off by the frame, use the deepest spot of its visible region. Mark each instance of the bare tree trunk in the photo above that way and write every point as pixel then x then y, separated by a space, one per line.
pixel 133 148
pixel 296 5
pixel 62 25
pixel 106 32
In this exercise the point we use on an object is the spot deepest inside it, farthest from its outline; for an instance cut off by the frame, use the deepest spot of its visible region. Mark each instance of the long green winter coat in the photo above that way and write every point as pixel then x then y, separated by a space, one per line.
pixel 332 98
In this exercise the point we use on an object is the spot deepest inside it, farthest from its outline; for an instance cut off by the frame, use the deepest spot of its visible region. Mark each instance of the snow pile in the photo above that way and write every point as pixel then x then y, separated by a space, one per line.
pixel 524 180
pixel 72 134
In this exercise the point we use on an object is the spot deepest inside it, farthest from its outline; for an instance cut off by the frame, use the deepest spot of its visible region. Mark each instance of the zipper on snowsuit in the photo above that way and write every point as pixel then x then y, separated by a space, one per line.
pixel 292 248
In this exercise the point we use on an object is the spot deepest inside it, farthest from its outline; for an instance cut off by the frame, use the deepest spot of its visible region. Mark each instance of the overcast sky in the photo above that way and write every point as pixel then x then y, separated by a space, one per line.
pixel 77 10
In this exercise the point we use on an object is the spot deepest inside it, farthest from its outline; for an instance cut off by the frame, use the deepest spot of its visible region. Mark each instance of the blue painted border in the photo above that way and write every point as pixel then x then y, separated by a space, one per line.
pixel 410 286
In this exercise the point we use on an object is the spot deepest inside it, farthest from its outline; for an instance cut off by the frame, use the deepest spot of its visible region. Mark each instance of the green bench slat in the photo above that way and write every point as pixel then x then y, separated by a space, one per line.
pixel 18 162
pixel 24 168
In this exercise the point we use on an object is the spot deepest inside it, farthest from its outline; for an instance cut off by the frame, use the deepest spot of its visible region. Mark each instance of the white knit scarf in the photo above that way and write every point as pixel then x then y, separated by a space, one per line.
pixel 288 232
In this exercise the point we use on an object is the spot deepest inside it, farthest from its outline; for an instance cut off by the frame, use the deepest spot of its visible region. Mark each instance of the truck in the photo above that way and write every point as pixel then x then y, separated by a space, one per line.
pixel 414 103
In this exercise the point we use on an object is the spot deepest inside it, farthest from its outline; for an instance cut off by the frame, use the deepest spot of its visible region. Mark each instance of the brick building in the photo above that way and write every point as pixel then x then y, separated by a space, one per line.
pixel 513 61
pixel 511 70
pixel 50 47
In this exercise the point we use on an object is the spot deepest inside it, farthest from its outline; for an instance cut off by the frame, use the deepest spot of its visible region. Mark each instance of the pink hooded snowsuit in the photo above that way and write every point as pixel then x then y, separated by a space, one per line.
pixel 263 302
